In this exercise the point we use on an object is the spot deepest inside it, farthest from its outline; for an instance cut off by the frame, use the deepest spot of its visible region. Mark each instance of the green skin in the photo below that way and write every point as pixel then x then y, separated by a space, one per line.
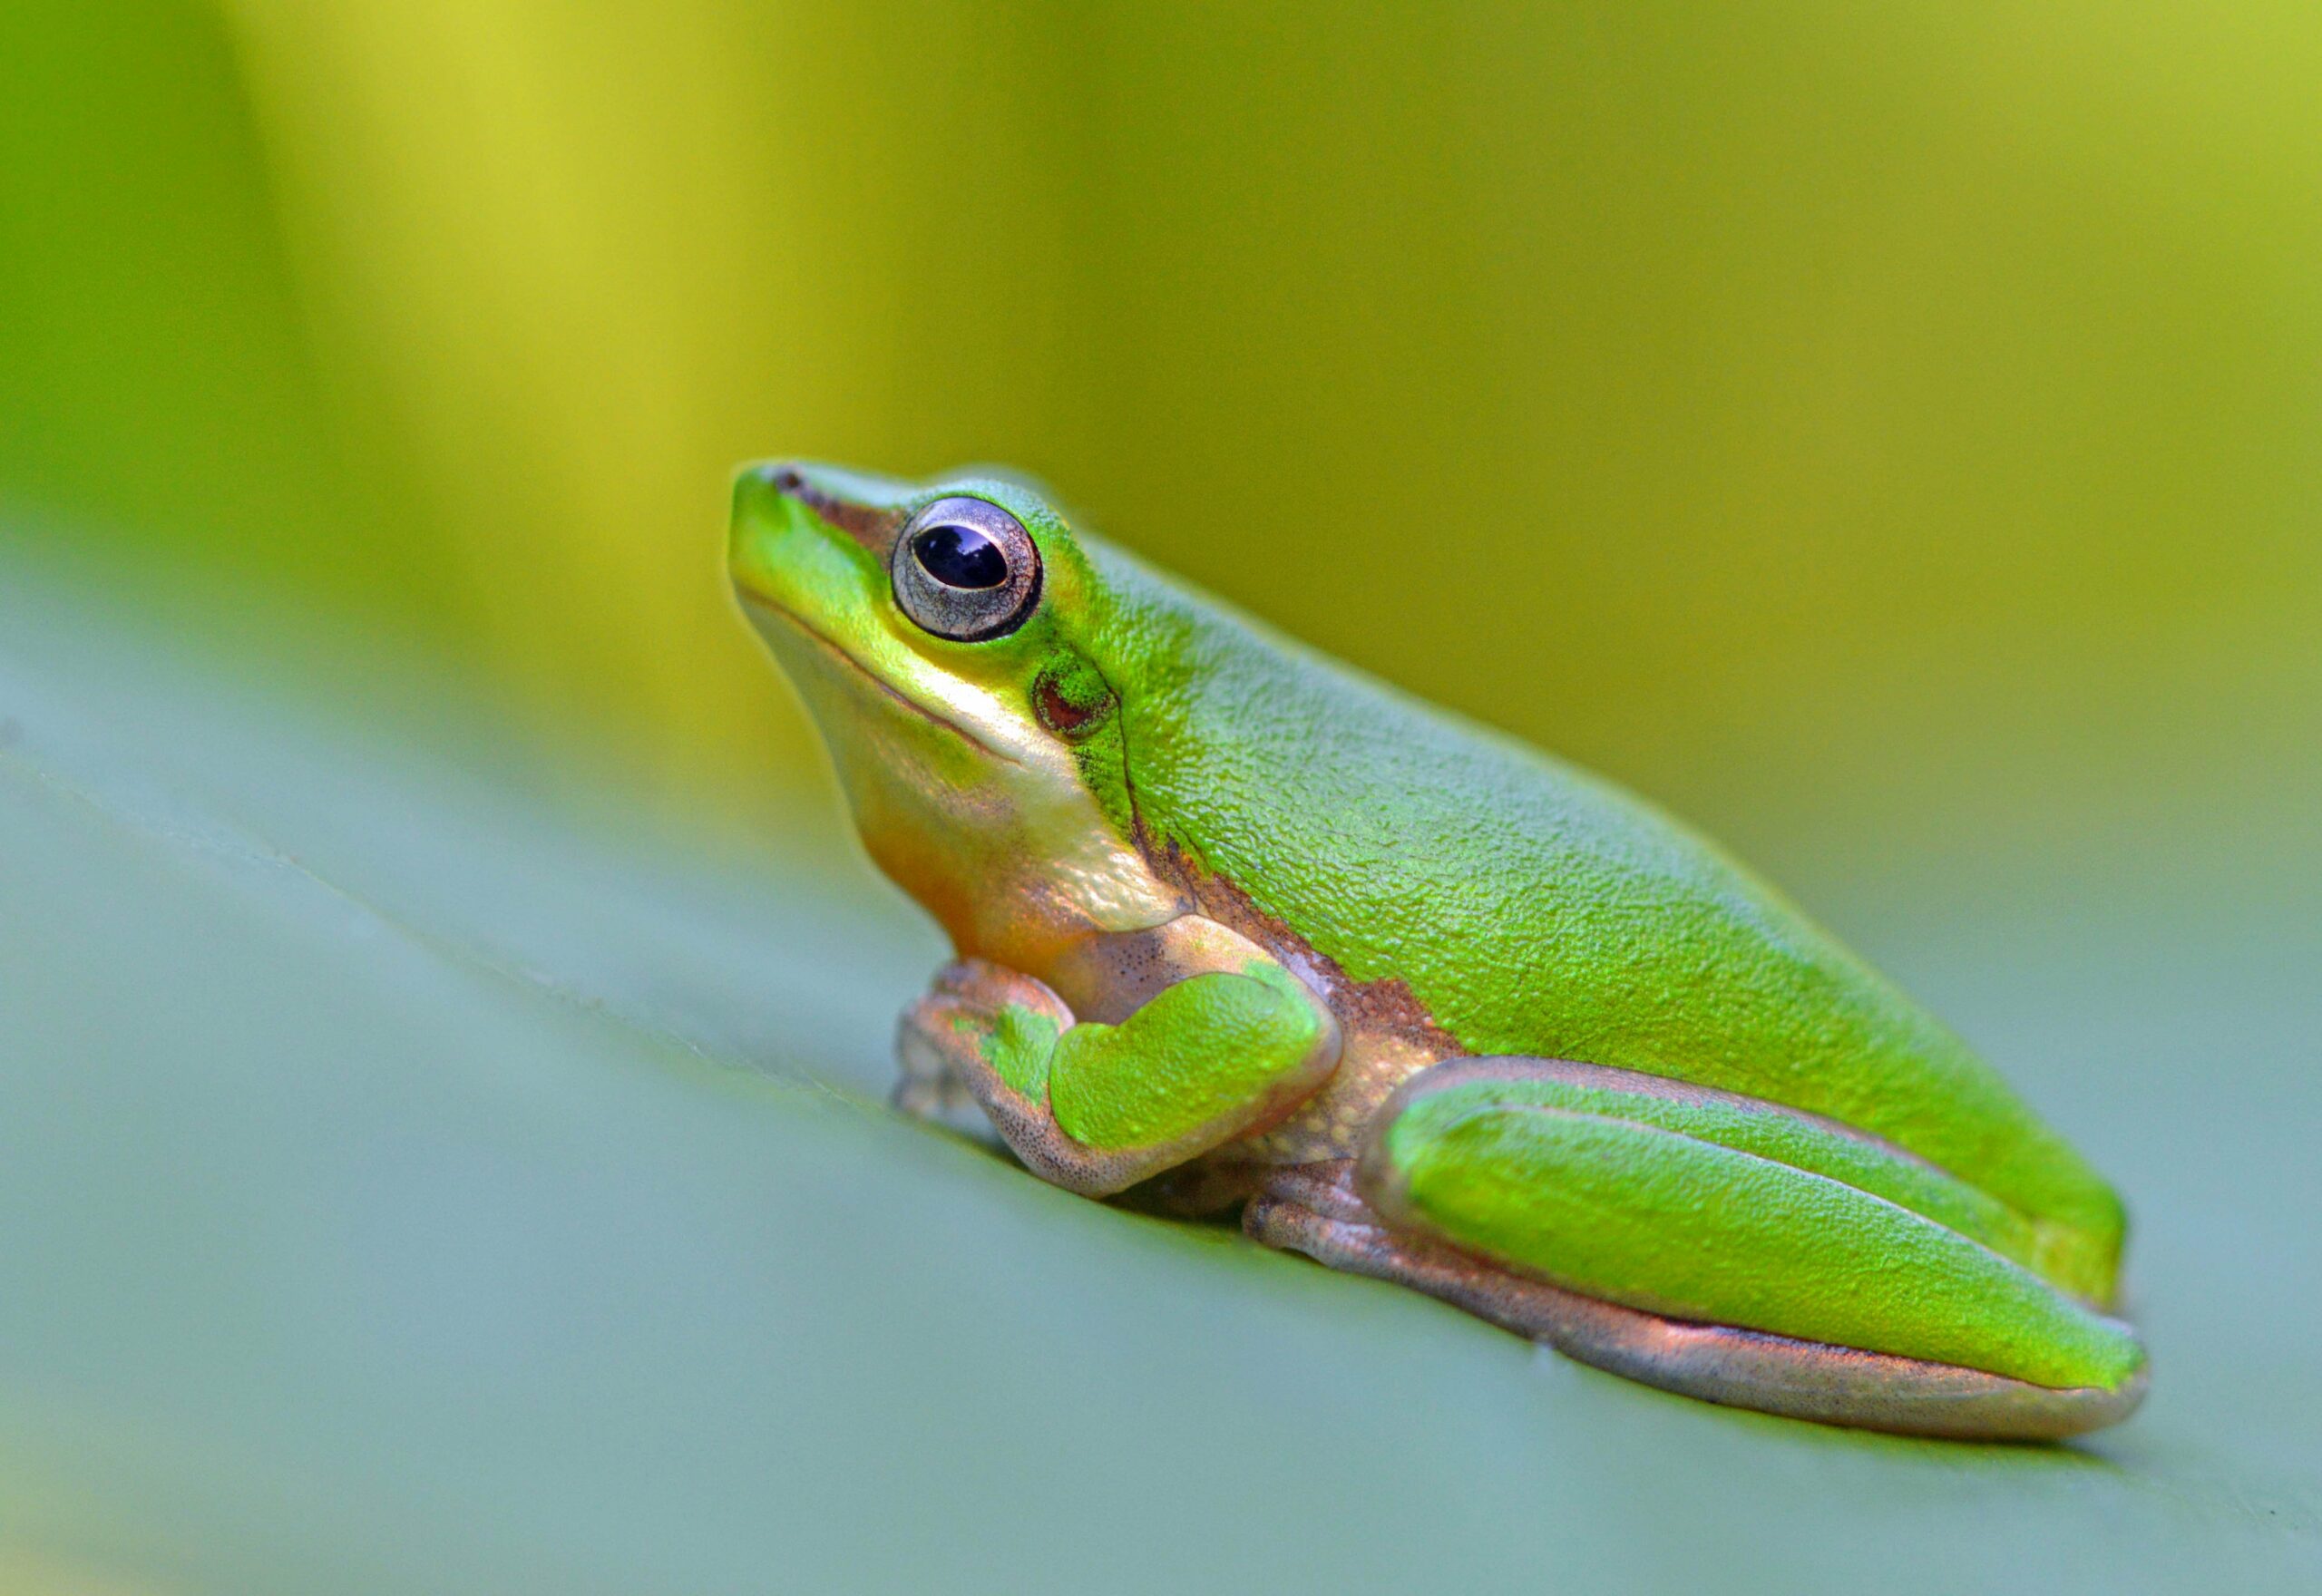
pixel 1237 925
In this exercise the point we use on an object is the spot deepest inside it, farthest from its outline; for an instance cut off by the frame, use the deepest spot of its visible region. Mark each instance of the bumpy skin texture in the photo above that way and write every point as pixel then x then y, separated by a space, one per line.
pixel 1533 910
pixel 1214 896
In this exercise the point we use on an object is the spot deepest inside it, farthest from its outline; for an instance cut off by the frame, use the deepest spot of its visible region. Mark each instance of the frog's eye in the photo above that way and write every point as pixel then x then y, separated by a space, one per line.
pixel 966 570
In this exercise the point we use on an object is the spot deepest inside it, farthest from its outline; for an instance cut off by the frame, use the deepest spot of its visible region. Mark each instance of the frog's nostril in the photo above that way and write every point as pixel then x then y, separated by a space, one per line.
pixel 794 487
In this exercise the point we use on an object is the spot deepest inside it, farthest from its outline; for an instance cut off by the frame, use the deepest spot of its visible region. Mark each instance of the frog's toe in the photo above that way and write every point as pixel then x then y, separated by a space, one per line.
pixel 941 1036
pixel 1728 1249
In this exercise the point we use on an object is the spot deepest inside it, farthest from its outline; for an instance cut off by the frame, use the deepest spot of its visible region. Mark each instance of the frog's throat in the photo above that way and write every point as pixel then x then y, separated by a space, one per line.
pixel 1008 849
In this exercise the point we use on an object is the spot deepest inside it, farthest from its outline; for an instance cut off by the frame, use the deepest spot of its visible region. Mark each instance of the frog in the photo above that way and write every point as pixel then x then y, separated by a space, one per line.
pixel 1239 928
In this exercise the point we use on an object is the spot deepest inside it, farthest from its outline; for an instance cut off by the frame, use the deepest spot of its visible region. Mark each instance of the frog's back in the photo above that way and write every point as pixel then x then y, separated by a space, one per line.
pixel 1533 909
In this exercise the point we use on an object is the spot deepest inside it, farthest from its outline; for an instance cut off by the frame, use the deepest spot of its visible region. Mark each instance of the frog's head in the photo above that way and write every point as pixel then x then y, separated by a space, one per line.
pixel 944 636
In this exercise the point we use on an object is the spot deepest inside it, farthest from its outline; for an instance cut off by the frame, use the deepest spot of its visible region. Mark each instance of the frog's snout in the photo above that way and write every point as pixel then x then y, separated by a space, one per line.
pixel 760 489
pixel 776 490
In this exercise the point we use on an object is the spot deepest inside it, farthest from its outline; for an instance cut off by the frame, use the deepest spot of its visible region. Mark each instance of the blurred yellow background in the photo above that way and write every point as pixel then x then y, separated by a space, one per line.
pixel 1822 416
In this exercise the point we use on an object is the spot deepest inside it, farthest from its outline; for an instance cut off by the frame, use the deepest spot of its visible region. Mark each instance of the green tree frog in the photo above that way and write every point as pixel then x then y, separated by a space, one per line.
pixel 1238 926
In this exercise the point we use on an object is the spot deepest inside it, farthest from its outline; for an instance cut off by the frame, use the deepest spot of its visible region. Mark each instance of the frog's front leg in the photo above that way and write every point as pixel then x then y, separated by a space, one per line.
pixel 1097 1108
pixel 1716 1245
pixel 929 1088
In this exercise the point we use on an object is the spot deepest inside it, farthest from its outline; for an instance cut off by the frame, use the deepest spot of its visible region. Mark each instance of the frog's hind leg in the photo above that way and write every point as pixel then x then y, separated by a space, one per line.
pixel 1712 1245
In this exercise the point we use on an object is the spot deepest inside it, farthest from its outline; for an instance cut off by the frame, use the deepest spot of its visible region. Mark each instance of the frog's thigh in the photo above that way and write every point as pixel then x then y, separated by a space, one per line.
pixel 1729 1272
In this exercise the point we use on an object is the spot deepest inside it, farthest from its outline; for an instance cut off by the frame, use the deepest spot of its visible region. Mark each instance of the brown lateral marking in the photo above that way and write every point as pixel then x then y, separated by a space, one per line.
pixel 874 529
pixel 1387 1007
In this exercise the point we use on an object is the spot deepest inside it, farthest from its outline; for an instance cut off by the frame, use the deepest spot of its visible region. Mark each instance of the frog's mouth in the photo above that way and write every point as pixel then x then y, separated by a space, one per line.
pixel 809 556
pixel 828 649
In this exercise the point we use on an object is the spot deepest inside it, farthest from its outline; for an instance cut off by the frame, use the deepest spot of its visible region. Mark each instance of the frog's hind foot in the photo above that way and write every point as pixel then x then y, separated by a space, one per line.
pixel 1314 1209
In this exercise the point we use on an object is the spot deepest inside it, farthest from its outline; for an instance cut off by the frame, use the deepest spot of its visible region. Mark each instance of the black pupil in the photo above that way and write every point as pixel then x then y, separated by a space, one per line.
pixel 960 557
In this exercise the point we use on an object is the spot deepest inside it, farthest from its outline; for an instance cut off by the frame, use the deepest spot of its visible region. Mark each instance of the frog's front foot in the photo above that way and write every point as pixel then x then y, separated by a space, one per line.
pixel 938 1098
pixel 1098 1107
pixel 941 1039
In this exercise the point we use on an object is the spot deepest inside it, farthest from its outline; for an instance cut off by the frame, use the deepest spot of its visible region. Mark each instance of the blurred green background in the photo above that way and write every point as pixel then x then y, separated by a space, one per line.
pixel 1809 413
pixel 1890 435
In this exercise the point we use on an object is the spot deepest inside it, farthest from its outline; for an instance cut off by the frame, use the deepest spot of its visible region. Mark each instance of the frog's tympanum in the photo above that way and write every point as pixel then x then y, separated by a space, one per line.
pixel 1237 925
